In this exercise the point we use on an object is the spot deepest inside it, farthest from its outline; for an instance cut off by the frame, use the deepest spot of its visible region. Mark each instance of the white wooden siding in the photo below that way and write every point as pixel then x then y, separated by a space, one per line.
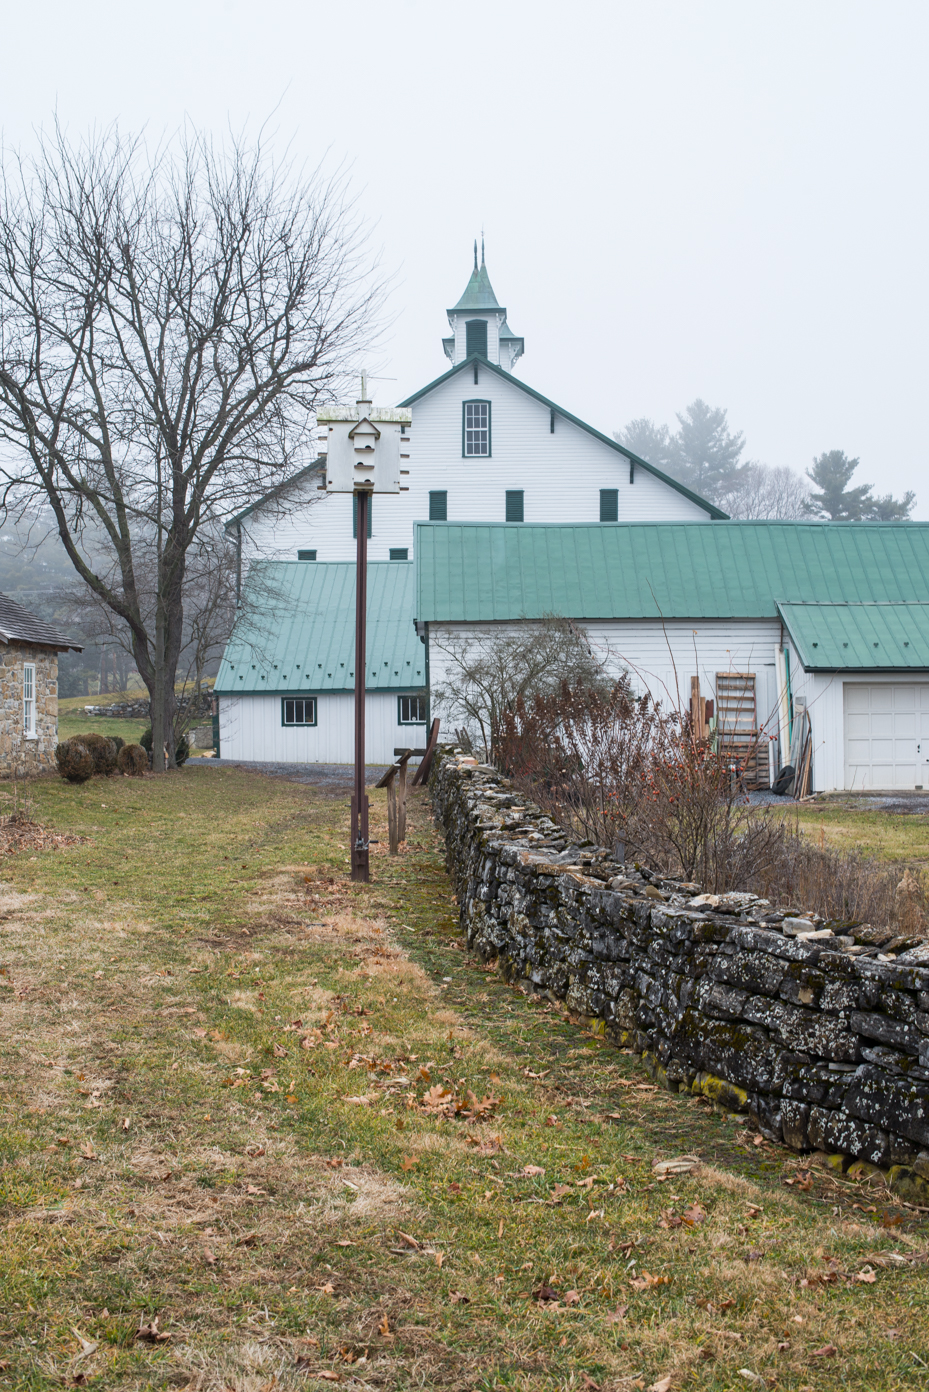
pixel 660 660
pixel 561 475
pixel 250 728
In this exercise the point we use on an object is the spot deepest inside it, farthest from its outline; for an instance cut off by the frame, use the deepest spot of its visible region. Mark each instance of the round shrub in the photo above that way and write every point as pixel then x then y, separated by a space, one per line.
pixel 132 760
pixel 103 751
pixel 75 761
pixel 181 752
pixel 118 741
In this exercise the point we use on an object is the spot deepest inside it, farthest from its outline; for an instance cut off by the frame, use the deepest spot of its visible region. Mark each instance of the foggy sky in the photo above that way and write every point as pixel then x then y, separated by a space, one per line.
pixel 679 199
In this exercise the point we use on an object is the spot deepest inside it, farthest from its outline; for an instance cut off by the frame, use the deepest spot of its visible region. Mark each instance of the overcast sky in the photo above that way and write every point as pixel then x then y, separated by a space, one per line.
pixel 679 199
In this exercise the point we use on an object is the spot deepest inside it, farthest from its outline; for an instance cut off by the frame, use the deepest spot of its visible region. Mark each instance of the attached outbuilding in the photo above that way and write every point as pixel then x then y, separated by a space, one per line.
pixel 285 686
pixel 29 652
pixel 776 621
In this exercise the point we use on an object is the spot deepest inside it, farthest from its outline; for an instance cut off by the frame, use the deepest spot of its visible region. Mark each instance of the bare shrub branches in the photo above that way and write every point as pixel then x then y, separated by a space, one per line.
pixel 618 770
pixel 489 676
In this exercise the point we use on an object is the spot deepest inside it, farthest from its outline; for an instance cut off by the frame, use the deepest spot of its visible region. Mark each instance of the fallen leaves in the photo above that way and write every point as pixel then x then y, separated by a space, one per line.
pixel 545 1293
pixel 827 1351
pixel 662 1385
pixel 151 1333
pixel 440 1100
pixel 648 1282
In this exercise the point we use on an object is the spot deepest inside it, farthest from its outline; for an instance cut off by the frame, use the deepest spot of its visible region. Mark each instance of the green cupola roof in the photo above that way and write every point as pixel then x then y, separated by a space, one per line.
pixel 479 293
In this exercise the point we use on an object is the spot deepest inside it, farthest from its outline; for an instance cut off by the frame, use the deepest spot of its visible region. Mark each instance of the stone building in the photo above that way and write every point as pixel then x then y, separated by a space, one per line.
pixel 29 652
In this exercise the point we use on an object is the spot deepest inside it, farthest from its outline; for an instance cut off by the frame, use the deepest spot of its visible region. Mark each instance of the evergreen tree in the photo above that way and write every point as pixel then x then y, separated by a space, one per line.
pixel 649 441
pixel 704 455
pixel 890 509
pixel 831 473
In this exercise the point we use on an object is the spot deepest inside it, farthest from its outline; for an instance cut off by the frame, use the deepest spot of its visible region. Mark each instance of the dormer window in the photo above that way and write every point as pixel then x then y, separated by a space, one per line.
pixel 476 337
pixel 476 429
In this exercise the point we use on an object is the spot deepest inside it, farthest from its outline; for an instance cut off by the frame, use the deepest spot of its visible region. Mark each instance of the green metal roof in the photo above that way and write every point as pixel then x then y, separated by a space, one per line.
pixel 647 570
pixel 296 631
pixel 887 635
pixel 630 458
pixel 479 293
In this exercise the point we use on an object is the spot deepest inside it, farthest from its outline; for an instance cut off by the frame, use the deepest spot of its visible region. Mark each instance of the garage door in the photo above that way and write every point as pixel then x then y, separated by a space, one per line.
pixel 886 736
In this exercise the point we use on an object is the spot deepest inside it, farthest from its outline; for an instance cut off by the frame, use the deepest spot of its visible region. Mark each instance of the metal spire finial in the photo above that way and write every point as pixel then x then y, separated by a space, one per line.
pixel 482 246
pixel 475 253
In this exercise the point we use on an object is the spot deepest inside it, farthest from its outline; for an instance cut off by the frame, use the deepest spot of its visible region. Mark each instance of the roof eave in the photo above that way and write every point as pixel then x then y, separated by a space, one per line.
pixel 715 513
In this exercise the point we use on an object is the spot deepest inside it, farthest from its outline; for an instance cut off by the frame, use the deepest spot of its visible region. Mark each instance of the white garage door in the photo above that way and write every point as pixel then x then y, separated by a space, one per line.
pixel 886 736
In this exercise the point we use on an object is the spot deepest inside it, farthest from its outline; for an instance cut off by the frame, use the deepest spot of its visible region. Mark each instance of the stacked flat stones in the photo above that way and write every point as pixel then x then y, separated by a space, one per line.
pixel 819 1031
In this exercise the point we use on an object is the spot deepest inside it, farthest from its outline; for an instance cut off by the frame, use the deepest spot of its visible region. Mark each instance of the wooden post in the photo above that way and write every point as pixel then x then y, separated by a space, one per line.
pixel 394 780
pixel 695 723
pixel 401 800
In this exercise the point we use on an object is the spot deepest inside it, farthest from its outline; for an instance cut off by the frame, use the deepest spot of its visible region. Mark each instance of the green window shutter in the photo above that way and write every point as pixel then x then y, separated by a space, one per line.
pixel 609 504
pixel 438 505
pixel 355 515
pixel 476 337
pixel 514 505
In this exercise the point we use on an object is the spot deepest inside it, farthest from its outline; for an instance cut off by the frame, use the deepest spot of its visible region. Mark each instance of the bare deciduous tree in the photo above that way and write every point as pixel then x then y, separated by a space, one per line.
pixel 169 321
pixel 762 491
pixel 488 675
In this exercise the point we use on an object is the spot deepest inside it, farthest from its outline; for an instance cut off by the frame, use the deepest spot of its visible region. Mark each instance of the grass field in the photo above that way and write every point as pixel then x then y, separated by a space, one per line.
pixel 847 825
pixel 264 1129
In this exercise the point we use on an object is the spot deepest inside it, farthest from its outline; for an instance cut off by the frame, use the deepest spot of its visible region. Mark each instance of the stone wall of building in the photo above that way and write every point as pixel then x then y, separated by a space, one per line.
pixel 824 1042
pixel 16 752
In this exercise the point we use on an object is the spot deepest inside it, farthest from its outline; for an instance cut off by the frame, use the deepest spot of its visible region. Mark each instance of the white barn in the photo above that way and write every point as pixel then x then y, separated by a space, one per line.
pixel 481 445
pixel 511 507
pixel 836 614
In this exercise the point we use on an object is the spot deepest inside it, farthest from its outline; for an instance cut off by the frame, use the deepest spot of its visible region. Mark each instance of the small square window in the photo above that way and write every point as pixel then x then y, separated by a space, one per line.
pixel 609 504
pixel 514 505
pixel 399 553
pixel 476 429
pixel 298 710
pixel 306 555
pixel 438 505
pixel 411 710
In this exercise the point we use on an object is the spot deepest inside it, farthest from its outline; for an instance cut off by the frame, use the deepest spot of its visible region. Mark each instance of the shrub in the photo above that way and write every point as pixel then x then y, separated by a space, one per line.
pixel 118 741
pixel 132 760
pixel 618 770
pixel 75 761
pixel 181 751
pixel 103 752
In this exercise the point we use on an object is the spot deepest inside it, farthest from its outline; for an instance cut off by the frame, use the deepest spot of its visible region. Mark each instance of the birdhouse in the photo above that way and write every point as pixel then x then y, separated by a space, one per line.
pixel 362 446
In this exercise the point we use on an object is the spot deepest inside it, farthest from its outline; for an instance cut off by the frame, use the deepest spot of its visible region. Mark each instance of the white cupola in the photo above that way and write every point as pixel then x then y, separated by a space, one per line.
pixel 478 324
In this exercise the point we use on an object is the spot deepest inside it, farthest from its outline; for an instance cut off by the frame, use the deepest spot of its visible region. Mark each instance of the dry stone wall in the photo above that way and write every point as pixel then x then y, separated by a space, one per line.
pixel 825 1046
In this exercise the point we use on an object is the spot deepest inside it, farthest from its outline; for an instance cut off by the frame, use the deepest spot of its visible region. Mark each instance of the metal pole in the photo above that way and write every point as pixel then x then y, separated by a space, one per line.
pixel 359 797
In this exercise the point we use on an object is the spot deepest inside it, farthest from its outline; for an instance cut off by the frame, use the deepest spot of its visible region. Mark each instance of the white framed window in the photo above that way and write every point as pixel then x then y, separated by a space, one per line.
pixel 29 700
pixel 411 710
pixel 298 710
pixel 476 428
